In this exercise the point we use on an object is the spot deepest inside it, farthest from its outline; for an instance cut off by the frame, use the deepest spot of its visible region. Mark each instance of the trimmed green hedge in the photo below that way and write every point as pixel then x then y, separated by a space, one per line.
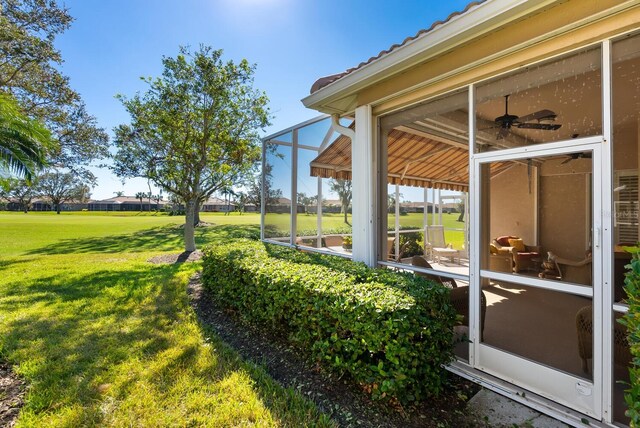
pixel 632 321
pixel 392 332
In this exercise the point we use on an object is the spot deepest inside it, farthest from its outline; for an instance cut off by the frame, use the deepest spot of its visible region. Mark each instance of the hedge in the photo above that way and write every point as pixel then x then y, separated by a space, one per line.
pixel 392 332
pixel 632 321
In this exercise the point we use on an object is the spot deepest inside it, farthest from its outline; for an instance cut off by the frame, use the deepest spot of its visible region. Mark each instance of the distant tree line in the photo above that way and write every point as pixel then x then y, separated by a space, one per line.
pixel 55 186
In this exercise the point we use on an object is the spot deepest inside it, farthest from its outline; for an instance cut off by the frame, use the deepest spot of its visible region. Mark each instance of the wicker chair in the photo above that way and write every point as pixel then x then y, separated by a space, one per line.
pixel 522 260
pixel 577 271
pixel 420 261
pixel 584 325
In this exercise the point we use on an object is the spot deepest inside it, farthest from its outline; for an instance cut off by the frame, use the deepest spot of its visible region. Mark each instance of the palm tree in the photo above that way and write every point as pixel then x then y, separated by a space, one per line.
pixel 140 196
pixel 24 143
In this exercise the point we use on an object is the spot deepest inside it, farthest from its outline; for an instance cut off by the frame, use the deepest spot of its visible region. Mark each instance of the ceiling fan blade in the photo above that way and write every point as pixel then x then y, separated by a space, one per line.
pixel 502 133
pixel 545 126
pixel 487 128
pixel 536 116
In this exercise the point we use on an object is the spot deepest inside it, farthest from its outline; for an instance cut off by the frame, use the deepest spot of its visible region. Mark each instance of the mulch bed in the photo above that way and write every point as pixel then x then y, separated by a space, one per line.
pixel 186 256
pixel 338 397
pixel 12 392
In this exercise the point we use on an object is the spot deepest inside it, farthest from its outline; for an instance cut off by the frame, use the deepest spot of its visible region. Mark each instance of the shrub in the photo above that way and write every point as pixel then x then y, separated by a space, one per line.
pixel 409 244
pixel 392 332
pixel 632 321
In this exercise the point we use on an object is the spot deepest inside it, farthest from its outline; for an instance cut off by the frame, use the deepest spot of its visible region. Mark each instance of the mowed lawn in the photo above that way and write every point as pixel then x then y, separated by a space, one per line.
pixel 334 223
pixel 105 338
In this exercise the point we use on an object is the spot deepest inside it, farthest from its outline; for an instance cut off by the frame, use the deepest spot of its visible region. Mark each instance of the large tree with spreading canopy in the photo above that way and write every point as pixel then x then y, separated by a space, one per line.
pixel 29 72
pixel 195 130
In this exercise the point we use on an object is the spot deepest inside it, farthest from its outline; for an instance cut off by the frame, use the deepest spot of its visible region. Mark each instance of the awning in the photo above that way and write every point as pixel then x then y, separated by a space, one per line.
pixel 413 160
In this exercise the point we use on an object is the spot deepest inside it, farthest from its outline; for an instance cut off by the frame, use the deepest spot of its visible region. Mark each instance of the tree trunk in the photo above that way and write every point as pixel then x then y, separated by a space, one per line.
pixel 58 208
pixel 196 214
pixel 345 209
pixel 189 226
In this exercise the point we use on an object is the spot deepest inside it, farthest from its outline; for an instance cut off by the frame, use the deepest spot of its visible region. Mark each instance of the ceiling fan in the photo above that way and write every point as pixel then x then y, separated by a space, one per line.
pixel 508 121
pixel 574 156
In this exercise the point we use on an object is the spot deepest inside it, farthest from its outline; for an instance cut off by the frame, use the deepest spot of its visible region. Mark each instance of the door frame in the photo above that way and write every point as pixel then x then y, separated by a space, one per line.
pixel 542 380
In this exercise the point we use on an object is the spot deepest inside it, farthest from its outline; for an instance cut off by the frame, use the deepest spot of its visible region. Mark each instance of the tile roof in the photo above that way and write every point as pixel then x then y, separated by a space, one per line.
pixel 326 80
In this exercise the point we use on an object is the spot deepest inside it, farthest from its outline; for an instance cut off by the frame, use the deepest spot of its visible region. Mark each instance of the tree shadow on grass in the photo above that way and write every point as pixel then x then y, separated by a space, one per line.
pixel 129 329
pixel 160 239
pixel 4 264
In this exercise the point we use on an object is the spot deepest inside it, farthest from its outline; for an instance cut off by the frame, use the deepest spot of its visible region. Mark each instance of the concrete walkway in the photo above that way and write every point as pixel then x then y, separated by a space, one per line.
pixel 499 411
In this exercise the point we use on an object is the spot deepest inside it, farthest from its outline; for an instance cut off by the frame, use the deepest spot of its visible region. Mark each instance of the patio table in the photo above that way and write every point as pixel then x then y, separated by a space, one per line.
pixel 446 252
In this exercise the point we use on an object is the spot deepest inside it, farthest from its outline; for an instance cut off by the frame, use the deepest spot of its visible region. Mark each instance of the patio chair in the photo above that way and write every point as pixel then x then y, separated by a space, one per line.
pixel 434 241
pixel 524 256
pixel 584 326
pixel 420 261
pixel 576 271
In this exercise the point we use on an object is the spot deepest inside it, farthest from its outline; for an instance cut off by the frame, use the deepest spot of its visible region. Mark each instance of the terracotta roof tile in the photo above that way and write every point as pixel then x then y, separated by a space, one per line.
pixel 326 80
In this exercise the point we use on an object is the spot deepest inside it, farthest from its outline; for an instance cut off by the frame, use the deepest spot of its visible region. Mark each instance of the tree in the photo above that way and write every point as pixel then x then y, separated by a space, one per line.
pixel 24 142
pixel 61 187
pixel 343 189
pixel 461 210
pixel 157 199
pixel 119 193
pixel 254 191
pixel 140 196
pixel 19 191
pixel 227 192
pixel 195 130
pixel 241 201
pixel 28 71
pixel 306 201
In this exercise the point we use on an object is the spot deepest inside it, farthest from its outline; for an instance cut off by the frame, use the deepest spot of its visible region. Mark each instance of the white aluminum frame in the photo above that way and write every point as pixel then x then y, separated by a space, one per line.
pixel 518 370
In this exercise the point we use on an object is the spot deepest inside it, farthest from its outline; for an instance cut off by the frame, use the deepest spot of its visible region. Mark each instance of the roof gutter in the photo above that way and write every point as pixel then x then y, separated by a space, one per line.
pixel 476 22
pixel 347 132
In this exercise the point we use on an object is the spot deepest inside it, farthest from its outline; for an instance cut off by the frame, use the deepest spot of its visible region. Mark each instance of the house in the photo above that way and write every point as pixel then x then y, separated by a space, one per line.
pixel 214 204
pixel 125 203
pixel 531 110
pixel 47 205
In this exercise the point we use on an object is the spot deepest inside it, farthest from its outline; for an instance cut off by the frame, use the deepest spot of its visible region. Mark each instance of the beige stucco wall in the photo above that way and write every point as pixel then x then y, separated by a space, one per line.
pixel 565 204
pixel 512 206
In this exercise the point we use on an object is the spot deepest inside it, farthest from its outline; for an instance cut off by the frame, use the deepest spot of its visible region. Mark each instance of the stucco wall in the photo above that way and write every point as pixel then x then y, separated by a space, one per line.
pixel 512 206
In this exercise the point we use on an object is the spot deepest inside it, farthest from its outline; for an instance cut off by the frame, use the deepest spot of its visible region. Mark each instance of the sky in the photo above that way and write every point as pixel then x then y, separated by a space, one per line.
pixel 111 44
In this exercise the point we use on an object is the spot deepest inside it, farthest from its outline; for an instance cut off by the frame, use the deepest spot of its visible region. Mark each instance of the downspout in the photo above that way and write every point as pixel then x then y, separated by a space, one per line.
pixel 343 130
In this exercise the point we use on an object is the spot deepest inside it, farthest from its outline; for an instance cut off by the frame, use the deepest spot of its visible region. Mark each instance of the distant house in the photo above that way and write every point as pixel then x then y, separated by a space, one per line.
pixel 46 205
pixel 214 204
pixel 125 203
pixel 282 205
pixel 418 207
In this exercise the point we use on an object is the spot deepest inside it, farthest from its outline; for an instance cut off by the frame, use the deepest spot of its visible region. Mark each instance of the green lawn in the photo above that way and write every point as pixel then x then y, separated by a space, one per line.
pixel 105 338
pixel 334 223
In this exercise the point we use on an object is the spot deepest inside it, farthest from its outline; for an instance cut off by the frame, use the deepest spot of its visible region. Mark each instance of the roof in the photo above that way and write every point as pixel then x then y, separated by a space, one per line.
pixel 216 201
pixel 326 80
pixel 413 160
pixel 124 200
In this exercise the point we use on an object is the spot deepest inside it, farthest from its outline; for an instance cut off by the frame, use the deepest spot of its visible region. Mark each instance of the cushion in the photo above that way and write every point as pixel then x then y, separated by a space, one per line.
pixel 504 240
pixel 518 244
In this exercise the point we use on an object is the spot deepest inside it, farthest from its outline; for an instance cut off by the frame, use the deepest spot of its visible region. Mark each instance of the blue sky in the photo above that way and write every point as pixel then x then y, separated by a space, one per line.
pixel 113 43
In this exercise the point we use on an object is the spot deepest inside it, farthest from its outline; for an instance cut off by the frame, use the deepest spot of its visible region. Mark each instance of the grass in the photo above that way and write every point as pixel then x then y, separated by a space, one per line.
pixel 105 338
pixel 334 223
